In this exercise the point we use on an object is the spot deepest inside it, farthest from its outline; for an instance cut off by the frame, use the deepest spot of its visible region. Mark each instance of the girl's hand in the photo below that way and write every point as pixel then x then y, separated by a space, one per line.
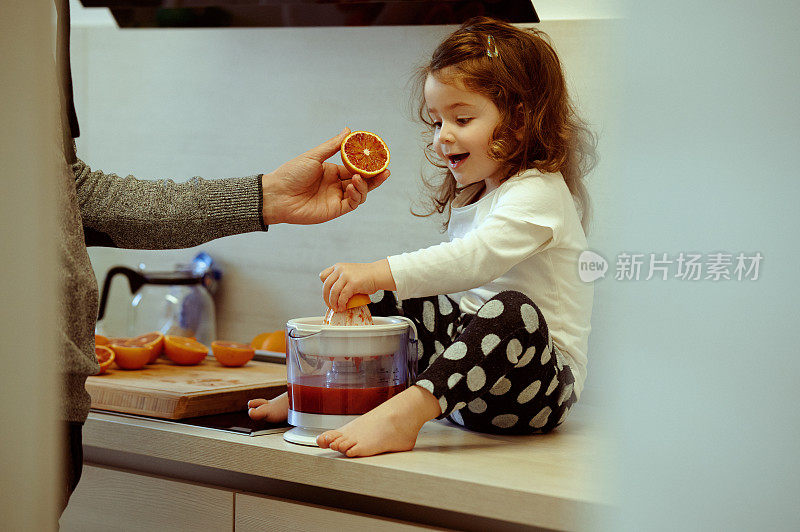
pixel 343 280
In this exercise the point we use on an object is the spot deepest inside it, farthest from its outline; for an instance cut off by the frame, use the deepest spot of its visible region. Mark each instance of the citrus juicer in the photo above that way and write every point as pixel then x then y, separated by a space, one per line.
pixel 336 373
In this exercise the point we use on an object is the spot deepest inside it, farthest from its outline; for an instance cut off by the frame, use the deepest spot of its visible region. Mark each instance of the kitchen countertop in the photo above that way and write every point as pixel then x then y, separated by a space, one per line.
pixel 453 475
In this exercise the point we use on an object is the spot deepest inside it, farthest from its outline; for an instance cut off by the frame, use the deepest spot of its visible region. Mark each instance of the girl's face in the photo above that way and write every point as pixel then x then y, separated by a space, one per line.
pixel 463 125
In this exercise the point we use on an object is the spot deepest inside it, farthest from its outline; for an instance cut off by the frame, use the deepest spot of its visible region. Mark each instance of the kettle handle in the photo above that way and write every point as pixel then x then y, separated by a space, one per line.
pixel 135 280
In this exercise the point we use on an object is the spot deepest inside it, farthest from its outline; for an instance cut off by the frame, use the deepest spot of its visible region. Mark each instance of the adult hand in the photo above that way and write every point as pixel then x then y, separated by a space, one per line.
pixel 307 190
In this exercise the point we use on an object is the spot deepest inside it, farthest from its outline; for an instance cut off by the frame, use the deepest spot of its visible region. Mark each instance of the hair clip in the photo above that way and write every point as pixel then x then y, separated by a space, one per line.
pixel 491 48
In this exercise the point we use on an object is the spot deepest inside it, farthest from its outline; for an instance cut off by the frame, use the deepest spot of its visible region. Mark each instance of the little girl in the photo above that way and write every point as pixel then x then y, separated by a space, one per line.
pixel 501 314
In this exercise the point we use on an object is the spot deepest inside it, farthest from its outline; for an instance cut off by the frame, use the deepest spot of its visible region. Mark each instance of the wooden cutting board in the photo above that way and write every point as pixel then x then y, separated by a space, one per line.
pixel 168 391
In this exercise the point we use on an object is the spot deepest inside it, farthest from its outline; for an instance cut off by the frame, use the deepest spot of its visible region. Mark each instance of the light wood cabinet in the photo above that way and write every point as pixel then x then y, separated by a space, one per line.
pixel 113 499
pixel 110 499
pixel 258 513
pixel 453 478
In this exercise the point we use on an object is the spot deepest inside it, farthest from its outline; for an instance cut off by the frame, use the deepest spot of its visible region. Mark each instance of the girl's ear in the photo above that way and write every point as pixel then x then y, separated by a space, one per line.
pixel 518 121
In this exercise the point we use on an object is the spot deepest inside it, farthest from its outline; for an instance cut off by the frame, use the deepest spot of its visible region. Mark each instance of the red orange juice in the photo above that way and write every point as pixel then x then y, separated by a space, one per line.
pixel 339 401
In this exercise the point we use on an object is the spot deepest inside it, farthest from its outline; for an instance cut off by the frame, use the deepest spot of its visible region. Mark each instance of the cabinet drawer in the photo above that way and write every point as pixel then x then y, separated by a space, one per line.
pixel 258 513
pixel 110 499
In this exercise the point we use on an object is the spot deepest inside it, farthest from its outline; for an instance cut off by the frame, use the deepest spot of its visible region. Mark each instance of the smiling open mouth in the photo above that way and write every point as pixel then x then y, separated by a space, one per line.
pixel 456 160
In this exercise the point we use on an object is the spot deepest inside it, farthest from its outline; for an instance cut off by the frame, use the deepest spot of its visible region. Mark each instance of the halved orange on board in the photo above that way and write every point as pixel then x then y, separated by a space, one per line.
pixel 365 153
pixel 105 356
pixel 129 356
pixel 153 342
pixel 232 353
pixel 184 351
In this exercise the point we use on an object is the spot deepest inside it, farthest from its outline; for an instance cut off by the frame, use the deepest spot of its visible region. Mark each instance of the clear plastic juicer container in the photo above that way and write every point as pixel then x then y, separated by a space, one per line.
pixel 336 373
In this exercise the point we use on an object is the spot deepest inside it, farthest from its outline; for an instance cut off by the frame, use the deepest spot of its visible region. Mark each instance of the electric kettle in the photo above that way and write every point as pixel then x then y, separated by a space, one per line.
pixel 173 302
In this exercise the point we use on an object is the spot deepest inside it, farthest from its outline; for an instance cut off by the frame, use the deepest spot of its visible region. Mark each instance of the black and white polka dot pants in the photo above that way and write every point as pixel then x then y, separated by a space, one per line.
pixel 496 371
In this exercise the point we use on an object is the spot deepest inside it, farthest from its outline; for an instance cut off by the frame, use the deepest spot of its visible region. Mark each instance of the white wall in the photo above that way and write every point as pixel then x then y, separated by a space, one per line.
pixel 217 103
pixel 707 372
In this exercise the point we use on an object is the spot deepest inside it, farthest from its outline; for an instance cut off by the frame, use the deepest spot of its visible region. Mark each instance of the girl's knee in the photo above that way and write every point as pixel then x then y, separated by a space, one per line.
pixel 514 298
pixel 513 310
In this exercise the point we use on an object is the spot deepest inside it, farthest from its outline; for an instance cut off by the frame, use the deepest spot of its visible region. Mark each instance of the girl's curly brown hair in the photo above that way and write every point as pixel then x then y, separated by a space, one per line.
pixel 519 71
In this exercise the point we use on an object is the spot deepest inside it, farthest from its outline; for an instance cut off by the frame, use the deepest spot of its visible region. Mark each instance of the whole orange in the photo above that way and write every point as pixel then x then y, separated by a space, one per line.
pixel 259 339
pixel 276 341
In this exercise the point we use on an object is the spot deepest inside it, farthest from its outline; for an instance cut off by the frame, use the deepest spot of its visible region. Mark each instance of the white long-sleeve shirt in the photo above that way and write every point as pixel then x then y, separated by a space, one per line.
pixel 524 235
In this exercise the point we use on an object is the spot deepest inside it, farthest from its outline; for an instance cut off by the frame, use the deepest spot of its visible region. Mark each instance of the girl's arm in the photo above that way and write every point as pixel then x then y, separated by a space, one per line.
pixel 503 240
pixel 464 263
pixel 526 220
pixel 484 254
pixel 345 279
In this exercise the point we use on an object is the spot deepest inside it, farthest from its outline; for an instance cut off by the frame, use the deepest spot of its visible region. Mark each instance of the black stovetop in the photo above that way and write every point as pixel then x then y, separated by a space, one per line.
pixel 236 422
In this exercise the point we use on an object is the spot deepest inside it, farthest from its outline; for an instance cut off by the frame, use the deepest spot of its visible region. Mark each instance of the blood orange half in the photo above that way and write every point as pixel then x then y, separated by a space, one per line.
pixel 129 356
pixel 184 351
pixel 358 300
pixel 364 153
pixel 232 353
pixel 105 357
pixel 153 342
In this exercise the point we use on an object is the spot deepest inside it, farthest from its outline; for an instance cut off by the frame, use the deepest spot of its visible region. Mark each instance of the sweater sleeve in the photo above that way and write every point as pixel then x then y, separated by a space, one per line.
pixel 145 214
pixel 504 239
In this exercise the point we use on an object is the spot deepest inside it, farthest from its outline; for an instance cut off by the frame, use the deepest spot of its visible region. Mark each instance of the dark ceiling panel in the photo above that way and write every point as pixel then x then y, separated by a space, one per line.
pixel 276 13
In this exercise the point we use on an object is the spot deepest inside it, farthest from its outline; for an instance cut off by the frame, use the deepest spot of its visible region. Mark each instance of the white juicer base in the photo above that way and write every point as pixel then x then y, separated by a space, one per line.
pixel 302 436
pixel 309 426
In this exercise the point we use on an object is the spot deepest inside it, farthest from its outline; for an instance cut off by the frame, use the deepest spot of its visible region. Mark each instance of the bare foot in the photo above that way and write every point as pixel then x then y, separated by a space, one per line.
pixel 274 410
pixel 389 427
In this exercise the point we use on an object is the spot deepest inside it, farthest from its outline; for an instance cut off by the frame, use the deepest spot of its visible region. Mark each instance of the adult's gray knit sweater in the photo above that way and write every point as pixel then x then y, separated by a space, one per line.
pixel 106 209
